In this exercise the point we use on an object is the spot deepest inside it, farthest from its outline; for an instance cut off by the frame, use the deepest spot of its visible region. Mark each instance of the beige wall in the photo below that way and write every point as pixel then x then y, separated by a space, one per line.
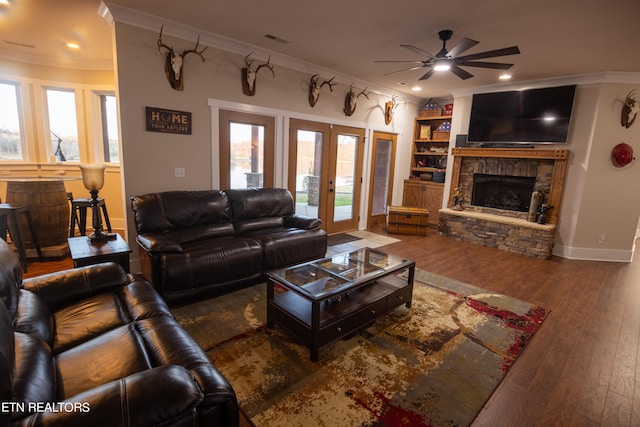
pixel 150 158
pixel 598 199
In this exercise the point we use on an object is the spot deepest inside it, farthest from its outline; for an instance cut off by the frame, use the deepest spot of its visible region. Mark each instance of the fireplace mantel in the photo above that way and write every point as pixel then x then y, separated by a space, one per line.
pixel 558 156
pixel 512 153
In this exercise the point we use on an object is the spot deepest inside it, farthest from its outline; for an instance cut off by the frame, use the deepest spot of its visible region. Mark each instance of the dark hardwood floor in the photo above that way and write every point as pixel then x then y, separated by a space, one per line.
pixel 582 368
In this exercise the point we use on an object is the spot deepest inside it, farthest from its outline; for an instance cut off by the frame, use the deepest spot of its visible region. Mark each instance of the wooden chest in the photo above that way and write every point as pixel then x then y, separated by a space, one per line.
pixel 406 220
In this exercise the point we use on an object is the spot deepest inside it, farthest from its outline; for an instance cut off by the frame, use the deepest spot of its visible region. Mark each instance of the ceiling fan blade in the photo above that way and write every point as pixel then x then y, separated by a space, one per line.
pixel 426 75
pixel 416 50
pixel 496 65
pixel 464 75
pixel 513 50
pixel 412 62
pixel 406 69
pixel 463 46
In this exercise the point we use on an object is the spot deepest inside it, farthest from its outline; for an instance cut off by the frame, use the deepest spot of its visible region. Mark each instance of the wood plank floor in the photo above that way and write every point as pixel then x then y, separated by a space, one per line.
pixel 582 367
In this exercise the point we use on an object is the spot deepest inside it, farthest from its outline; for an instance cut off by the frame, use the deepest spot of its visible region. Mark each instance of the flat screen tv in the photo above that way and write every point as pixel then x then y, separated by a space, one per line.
pixel 531 116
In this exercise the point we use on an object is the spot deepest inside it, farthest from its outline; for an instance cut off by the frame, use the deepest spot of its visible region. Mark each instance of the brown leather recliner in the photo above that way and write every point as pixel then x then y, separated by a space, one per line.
pixel 94 346
pixel 204 243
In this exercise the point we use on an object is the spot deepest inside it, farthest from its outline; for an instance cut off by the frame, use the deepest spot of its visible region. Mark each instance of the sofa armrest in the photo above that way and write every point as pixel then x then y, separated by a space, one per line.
pixel 158 242
pixel 67 286
pixel 303 222
pixel 166 395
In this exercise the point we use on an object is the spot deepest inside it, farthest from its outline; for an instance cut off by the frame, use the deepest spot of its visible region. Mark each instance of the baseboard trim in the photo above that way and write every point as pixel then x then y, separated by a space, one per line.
pixel 590 254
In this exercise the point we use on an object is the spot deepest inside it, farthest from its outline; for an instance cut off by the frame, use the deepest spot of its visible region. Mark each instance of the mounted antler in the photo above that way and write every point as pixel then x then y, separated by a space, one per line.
pixel 174 62
pixel 629 110
pixel 314 88
pixel 350 100
pixel 389 109
pixel 249 74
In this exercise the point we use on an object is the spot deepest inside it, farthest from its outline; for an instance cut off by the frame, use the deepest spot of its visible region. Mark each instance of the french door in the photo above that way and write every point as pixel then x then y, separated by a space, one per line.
pixel 247 145
pixel 325 172
pixel 383 154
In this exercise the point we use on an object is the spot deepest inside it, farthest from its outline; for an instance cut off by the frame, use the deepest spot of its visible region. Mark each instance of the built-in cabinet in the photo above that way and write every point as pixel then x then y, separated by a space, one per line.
pixel 430 146
pixel 424 194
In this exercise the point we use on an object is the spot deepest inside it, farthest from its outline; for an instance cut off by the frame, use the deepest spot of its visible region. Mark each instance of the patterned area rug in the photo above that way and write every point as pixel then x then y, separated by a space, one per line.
pixel 435 364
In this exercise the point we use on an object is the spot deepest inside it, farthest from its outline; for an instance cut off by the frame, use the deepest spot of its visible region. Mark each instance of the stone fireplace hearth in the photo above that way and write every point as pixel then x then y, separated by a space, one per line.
pixel 501 226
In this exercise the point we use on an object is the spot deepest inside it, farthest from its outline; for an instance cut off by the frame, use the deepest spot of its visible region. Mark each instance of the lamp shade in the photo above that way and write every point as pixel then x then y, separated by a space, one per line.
pixel 92 176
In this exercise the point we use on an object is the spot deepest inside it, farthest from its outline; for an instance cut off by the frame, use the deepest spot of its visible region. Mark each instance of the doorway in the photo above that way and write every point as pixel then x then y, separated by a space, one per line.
pixel 247 144
pixel 383 154
pixel 325 172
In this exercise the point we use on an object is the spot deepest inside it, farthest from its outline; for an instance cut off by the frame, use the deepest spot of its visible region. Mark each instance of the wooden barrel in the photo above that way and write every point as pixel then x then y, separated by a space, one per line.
pixel 49 206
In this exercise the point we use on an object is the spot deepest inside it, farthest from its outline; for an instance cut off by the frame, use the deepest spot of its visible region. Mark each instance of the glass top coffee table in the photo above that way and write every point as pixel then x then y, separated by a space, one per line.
pixel 322 301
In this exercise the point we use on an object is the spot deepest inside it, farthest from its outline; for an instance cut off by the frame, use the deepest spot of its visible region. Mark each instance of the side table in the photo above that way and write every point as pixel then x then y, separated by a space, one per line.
pixel 84 252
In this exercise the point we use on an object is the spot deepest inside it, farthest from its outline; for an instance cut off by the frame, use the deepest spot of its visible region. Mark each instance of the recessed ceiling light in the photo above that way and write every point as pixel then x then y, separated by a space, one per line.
pixel 72 45
pixel 505 76
pixel 416 88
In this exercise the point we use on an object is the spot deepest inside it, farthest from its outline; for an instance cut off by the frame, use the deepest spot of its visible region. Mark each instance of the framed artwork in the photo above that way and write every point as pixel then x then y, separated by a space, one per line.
pixel 425 132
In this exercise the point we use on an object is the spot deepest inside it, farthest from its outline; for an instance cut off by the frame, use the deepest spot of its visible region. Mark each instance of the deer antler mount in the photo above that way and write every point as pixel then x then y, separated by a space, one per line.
pixel 249 74
pixel 389 109
pixel 629 110
pixel 314 88
pixel 174 61
pixel 350 100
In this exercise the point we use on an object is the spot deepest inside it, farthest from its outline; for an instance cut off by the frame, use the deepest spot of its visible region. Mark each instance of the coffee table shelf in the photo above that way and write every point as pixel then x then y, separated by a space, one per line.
pixel 322 301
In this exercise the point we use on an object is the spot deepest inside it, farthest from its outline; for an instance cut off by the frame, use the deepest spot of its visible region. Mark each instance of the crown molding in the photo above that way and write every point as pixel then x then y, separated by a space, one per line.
pixel 125 15
pixel 578 79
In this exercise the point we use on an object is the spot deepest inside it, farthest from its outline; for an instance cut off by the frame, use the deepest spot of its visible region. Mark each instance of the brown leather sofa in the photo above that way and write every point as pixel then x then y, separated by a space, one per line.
pixel 205 243
pixel 94 346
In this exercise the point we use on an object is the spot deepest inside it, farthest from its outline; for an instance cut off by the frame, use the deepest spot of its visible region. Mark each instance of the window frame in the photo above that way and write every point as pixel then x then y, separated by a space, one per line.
pixel 98 138
pixel 24 149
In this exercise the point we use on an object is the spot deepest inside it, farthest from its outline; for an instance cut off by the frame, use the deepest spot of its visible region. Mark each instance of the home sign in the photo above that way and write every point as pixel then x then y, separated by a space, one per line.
pixel 168 121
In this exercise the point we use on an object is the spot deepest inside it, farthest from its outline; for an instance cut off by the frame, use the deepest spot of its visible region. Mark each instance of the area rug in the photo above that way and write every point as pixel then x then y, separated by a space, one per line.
pixel 338 239
pixel 434 364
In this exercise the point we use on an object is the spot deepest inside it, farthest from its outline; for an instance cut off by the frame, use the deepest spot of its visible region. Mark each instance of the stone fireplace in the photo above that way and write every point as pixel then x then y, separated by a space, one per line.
pixel 497 184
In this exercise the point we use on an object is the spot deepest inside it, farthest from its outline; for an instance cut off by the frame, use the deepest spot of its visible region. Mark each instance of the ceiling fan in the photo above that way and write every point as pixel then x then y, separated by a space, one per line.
pixel 449 59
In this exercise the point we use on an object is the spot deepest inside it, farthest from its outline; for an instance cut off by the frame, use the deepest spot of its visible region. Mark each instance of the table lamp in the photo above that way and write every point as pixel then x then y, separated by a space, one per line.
pixel 93 180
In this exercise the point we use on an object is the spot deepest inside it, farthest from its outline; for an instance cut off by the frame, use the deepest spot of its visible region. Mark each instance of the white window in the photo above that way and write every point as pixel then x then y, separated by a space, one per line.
pixel 63 124
pixel 109 116
pixel 10 135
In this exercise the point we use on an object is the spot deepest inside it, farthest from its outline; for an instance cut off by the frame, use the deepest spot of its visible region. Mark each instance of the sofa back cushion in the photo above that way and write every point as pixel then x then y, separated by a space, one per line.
pixel 10 278
pixel 259 208
pixel 182 210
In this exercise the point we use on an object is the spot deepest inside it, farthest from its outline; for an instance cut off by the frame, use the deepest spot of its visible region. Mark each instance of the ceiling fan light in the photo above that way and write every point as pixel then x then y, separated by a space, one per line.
pixel 442 65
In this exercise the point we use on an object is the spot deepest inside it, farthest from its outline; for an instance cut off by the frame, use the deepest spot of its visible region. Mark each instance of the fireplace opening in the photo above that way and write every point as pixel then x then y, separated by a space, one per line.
pixel 502 192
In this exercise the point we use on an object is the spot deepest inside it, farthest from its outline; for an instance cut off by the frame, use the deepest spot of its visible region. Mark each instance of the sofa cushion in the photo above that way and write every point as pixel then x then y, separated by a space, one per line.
pixel 287 246
pixel 34 317
pixel 93 316
pixel 34 379
pixel 107 357
pixel 249 203
pixel 171 210
pixel 218 261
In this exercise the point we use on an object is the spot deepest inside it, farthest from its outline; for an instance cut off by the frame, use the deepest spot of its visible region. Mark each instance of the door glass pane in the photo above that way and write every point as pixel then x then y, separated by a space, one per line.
pixel 10 138
pixel 381 175
pixel 346 158
pixel 63 125
pixel 308 171
pixel 247 155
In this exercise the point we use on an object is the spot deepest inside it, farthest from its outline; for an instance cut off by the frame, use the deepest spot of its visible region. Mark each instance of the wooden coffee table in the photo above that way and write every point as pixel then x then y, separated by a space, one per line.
pixel 322 301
